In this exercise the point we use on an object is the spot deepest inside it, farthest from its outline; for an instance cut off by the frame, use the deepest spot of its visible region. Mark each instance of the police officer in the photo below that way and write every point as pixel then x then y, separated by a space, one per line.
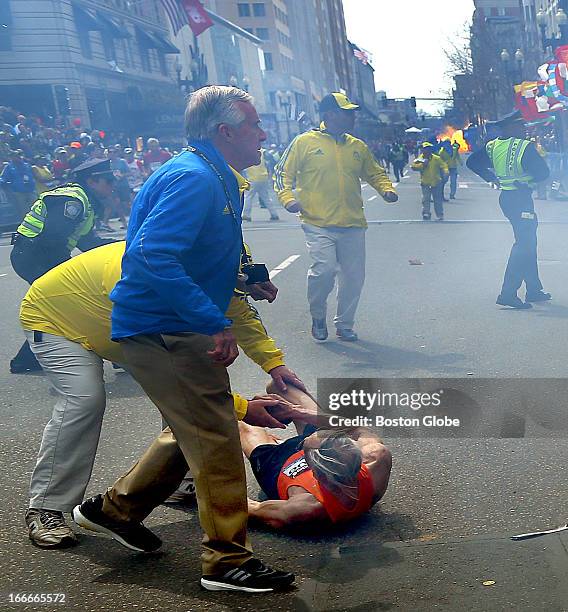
pixel 60 220
pixel 513 163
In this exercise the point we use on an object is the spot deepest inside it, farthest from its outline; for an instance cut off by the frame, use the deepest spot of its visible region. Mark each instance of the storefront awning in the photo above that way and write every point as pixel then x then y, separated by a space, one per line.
pixel 87 19
pixel 155 40
pixel 113 26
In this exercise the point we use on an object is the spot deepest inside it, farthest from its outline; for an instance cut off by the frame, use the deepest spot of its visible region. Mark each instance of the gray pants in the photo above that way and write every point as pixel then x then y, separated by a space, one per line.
pixel 264 191
pixel 433 193
pixel 335 251
pixel 70 439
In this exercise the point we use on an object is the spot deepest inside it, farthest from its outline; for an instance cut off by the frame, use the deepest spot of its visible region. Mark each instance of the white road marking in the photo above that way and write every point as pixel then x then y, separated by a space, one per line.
pixel 463 186
pixel 373 198
pixel 283 265
pixel 3 275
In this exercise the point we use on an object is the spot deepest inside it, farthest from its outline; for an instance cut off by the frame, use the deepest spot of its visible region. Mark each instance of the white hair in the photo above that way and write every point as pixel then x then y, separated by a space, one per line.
pixel 210 106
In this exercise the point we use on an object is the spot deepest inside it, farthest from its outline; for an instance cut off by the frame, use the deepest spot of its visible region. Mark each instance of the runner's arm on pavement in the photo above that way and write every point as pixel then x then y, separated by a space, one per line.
pixel 279 513
pixel 480 163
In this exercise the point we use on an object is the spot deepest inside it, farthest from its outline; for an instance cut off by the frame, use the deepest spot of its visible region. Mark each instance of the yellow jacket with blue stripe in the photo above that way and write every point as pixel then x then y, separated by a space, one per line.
pixel 72 301
pixel 324 174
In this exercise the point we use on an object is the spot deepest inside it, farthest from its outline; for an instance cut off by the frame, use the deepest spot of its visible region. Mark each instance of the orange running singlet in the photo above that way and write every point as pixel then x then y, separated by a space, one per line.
pixel 296 473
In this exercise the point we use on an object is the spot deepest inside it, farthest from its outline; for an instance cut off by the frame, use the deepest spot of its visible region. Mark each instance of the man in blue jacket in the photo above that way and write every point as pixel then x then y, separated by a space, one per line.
pixel 183 248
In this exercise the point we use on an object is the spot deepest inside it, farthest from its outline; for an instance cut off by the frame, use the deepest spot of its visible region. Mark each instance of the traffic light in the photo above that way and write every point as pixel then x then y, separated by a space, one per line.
pixel 413 102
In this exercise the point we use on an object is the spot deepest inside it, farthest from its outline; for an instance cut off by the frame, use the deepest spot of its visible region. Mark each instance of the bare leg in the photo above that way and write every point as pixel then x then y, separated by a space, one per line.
pixel 252 436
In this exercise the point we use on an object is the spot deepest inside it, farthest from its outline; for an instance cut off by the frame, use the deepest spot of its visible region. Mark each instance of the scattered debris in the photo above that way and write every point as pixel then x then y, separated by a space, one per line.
pixel 470 373
pixel 488 582
pixel 536 534
pixel 415 262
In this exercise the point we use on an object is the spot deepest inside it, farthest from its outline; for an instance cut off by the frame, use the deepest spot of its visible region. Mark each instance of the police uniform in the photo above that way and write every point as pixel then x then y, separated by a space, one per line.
pixel 516 166
pixel 60 220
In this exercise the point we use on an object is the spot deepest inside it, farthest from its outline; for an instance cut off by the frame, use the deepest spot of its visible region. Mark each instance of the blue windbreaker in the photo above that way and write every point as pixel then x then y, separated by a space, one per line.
pixel 182 250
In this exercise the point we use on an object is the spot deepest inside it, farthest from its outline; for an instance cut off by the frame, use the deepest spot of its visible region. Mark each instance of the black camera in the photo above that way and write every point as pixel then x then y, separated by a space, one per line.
pixel 255 273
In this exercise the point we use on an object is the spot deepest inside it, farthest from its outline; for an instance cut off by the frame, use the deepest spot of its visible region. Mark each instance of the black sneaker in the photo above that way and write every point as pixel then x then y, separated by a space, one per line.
pixel 513 301
pixel 426 216
pixel 319 330
pixel 251 577
pixel 135 536
pixel 540 296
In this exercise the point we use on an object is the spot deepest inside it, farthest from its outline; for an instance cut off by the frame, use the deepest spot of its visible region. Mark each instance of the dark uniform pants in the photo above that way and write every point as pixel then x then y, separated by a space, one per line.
pixel 30 262
pixel 518 207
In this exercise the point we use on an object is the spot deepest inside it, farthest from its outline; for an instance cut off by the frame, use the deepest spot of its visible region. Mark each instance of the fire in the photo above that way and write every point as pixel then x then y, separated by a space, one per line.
pixel 453 135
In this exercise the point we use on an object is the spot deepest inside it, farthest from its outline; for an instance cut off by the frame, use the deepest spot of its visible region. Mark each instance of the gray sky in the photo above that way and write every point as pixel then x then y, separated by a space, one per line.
pixel 406 38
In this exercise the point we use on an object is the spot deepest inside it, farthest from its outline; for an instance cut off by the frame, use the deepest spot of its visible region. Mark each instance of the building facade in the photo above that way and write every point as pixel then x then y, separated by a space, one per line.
pixel 306 55
pixel 107 63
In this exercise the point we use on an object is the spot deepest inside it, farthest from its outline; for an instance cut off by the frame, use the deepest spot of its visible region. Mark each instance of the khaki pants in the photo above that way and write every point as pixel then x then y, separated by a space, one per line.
pixel 149 482
pixel 193 395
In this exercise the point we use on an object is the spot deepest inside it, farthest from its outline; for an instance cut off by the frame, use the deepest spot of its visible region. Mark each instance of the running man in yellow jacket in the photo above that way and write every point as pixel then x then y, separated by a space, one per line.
pixel 66 317
pixel 319 176
pixel 433 175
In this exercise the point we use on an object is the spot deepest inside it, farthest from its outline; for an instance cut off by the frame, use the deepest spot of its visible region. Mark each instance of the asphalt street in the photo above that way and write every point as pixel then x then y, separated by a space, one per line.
pixel 428 311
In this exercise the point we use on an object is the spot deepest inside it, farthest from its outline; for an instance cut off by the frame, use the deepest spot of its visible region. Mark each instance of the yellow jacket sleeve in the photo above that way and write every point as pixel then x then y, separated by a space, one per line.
pixel 252 336
pixel 444 167
pixel 417 164
pixel 375 174
pixel 285 173
pixel 241 406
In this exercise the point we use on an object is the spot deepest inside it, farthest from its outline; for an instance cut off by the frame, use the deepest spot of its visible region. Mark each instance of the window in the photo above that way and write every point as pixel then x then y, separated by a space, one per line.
pixel 263 33
pixel 108 44
pixel 249 30
pixel 258 9
pixel 5 27
pixel 244 10
pixel 268 61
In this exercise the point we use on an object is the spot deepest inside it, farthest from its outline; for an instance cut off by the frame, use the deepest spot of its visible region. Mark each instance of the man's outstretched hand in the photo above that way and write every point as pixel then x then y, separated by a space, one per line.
pixel 282 375
pixel 225 350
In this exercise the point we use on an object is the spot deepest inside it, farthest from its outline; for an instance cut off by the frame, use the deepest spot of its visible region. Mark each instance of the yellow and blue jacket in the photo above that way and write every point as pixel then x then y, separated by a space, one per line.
pixel 324 175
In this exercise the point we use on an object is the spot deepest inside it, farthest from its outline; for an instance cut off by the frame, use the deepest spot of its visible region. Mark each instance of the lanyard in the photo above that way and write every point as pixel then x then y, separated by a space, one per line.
pixel 227 194
pixel 221 180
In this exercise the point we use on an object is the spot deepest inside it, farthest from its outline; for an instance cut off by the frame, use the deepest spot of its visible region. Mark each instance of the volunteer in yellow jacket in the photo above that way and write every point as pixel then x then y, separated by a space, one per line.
pixel 66 317
pixel 260 186
pixel 433 175
pixel 319 176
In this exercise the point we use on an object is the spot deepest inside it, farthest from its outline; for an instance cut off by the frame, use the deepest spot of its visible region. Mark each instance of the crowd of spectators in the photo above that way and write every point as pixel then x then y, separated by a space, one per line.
pixel 35 157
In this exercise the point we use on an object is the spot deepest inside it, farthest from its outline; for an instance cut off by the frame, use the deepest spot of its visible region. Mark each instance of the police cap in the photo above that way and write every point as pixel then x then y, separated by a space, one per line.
pixel 509 119
pixel 93 168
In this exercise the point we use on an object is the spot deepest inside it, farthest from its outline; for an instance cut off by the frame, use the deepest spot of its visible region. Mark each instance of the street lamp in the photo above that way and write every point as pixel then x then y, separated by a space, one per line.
pixel 492 88
pixel 285 99
pixel 561 20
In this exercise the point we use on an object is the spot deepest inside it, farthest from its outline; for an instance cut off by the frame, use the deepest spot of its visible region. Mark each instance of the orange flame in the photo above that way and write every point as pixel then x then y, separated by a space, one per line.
pixel 453 135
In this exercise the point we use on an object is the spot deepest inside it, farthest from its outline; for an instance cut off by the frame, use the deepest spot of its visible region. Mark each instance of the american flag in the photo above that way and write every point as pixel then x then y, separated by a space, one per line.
pixel 177 17
pixel 361 55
